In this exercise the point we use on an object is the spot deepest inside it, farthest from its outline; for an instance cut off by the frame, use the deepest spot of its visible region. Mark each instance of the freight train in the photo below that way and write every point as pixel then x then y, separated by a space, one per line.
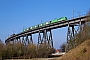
pixel 45 23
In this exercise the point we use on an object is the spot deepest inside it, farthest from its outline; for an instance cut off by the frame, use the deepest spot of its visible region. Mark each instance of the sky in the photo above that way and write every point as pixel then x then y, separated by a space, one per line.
pixel 16 14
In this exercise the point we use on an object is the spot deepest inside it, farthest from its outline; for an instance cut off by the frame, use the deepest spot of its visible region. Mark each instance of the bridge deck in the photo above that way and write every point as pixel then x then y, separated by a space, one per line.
pixel 48 27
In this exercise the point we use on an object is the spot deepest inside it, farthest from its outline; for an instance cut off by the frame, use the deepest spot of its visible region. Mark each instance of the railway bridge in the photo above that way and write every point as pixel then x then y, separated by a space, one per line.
pixel 26 37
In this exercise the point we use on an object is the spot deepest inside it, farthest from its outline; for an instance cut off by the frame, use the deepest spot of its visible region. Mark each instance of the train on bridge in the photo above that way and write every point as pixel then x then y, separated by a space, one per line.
pixel 25 36
pixel 45 23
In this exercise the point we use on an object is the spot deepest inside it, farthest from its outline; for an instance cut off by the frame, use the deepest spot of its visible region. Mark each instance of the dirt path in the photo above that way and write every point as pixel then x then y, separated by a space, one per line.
pixel 34 59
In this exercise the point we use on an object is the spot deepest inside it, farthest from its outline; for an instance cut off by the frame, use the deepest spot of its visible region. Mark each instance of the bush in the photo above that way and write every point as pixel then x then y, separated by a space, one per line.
pixel 84 50
pixel 19 51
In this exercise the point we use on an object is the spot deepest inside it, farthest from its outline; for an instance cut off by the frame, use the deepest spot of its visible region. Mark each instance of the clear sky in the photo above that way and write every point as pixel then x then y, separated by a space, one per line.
pixel 16 14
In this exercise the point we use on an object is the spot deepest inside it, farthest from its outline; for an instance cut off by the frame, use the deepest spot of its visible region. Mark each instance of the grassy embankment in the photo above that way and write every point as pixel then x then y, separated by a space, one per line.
pixel 81 52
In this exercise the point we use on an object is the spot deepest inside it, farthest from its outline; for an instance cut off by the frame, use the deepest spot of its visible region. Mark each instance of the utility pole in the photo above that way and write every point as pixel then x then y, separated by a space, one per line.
pixel 41 21
pixel 13 32
pixel 23 28
pixel 8 35
pixel 73 13
pixel 0 40
pixel 5 38
pixel 78 13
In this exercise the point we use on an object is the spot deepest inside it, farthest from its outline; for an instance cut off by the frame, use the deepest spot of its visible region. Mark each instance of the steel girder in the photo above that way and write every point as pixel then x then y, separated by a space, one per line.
pixel 71 32
pixel 45 38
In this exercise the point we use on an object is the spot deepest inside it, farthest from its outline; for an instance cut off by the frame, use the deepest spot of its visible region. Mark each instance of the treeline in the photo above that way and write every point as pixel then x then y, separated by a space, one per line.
pixel 81 36
pixel 18 51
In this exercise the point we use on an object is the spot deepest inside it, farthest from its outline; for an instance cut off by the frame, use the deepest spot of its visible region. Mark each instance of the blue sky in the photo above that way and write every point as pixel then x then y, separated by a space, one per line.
pixel 16 14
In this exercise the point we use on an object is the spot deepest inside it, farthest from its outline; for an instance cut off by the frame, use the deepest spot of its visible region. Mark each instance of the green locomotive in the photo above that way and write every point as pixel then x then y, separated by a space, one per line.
pixel 45 23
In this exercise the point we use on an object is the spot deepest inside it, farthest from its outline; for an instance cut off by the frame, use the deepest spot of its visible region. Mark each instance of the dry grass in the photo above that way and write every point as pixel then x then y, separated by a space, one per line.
pixel 81 52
